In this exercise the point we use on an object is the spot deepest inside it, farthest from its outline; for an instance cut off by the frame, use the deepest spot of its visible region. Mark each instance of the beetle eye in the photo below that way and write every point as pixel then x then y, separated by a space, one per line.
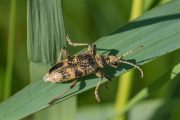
pixel 115 63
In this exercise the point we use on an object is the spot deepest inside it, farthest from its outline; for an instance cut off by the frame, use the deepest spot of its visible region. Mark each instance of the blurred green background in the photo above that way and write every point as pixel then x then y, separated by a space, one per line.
pixel 86 21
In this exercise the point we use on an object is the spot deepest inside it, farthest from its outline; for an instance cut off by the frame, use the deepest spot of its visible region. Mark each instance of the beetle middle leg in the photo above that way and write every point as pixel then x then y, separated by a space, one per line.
pixel 100 74
pixel 109 80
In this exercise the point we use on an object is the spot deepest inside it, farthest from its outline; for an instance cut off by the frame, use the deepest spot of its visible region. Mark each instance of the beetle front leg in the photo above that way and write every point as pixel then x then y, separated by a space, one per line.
pixel 65 54
pixel 92 49
pixel 59 56
pixel 75 44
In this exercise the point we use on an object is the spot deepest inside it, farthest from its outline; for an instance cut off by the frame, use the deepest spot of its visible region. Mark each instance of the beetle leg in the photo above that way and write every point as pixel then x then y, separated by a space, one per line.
pixel 75 44
pixel 92 49
pixel 59 56
pixel 65 54
pixel 96 91
pixel 58 97
pixel 109 80
pixel 73 83
pixel 101 74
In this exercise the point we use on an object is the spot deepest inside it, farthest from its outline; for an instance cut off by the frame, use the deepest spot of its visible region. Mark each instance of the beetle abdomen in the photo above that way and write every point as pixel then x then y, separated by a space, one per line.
pixel 72 68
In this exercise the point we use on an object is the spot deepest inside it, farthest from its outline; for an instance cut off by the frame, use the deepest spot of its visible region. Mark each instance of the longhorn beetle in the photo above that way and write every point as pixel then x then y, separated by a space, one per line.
pixel 88 62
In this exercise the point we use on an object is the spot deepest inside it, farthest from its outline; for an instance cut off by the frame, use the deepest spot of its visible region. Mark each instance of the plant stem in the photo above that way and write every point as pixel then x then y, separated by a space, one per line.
pixel 9 63
pixel 125 81
pixel 124 89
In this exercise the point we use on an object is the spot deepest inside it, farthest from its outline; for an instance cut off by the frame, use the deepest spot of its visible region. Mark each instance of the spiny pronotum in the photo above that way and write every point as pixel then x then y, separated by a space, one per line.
pixel 88 62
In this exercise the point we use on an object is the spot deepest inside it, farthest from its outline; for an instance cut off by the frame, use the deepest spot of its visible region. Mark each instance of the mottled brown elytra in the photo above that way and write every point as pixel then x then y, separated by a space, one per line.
pixel 88 62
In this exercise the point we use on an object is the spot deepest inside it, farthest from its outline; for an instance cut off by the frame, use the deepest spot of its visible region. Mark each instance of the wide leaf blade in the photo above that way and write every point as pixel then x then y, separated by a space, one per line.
pixel 157 30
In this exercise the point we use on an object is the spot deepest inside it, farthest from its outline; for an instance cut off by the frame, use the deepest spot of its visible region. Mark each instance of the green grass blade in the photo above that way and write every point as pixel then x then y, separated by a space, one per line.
pixel 9 65
pixel 46 35
pixel 157 30
pixel 125 86
pixel 170 106
pixel 147 91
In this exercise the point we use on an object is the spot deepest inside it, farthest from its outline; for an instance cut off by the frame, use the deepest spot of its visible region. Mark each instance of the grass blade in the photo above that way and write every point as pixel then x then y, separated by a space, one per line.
pixel 157 31
pixel 9 65
pixel 149 90
pixel 125 86
pixel 46 35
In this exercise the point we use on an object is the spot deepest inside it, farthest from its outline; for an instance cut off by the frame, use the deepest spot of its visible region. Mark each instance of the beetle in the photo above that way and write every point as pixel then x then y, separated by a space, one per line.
pixel 88 62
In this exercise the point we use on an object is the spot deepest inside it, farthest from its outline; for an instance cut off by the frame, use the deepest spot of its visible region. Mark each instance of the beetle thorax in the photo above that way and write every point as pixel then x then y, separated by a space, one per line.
pixel 111 60
pixel 101 60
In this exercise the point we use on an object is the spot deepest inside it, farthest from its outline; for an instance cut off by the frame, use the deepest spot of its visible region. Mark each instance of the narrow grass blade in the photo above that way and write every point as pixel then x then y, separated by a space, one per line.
pixel 125 86
pixel 9 65
pixel 46 33
pixel 46 37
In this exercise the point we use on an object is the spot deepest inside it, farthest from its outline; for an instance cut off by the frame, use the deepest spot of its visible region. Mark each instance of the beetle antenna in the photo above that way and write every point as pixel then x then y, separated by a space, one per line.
pixel 134 65
pixel 131 51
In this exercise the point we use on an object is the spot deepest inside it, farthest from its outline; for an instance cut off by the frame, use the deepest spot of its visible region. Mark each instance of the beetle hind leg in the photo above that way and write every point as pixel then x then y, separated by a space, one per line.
pixel 59 96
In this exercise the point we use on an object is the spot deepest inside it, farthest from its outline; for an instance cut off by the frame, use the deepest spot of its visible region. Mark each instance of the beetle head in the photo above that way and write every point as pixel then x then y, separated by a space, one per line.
pixel 113 61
